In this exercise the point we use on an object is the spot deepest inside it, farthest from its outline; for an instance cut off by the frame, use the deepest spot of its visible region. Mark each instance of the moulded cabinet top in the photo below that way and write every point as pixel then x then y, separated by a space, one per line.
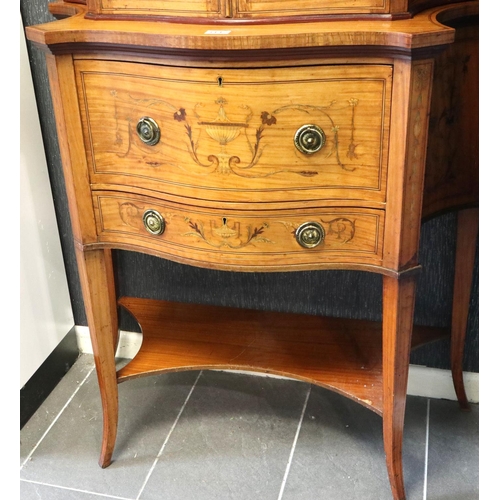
pixel 75 32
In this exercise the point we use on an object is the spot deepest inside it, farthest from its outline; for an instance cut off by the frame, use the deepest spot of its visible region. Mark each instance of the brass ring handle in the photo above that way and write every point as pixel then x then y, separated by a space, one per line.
pixel 310 234
pixel 309 139
pixel 153 222
pixel 148 131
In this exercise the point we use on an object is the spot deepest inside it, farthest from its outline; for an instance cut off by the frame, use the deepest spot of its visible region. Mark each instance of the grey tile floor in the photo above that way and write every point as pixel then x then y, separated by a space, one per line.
pixel 228 436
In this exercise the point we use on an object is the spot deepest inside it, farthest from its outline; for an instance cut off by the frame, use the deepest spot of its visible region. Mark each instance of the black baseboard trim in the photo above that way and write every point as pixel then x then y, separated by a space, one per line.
pixel 50 373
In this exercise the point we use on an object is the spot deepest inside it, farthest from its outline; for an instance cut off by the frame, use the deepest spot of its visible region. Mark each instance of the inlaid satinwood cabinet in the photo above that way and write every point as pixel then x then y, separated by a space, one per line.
pixel 284 135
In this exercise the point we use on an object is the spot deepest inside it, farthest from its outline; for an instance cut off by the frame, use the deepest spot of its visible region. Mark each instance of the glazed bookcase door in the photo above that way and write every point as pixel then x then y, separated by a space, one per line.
pixel 242 9
pixel 174 8
pixel 284 8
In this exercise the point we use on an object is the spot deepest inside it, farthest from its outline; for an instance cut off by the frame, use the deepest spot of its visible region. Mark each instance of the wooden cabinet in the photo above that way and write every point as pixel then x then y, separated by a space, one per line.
pixel 267 145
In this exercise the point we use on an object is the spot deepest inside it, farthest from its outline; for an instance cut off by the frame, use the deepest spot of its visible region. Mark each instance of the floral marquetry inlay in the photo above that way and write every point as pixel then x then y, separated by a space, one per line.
pixel 341 228
pixel 226 234
pixel 222 129
pixel 131 214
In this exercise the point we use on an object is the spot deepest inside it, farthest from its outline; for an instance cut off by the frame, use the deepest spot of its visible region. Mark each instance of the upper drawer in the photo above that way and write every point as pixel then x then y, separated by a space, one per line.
pixel 238 135
pixel 240 8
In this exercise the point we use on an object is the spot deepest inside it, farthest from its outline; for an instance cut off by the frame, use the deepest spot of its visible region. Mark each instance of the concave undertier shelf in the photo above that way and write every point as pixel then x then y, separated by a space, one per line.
pixel 343 355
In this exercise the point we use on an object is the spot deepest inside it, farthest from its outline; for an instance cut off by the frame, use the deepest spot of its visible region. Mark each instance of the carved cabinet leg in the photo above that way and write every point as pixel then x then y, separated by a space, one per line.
pixel 397 323
pixel 96 274
pixel 467 231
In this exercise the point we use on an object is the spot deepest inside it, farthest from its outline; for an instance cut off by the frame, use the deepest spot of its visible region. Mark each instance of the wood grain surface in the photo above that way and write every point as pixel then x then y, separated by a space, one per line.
pixel 339 354
pixel 423 30
pixel 228 134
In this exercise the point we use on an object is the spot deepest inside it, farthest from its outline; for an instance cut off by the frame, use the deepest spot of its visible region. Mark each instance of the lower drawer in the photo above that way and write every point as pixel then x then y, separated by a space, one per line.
pixel 240 240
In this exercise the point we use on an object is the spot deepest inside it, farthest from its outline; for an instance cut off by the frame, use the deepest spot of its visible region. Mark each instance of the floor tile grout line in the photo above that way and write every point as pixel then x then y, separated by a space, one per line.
pixel 56 418
pixel 105 495
pixel 168 437
pixel 426 466
pixel 294 444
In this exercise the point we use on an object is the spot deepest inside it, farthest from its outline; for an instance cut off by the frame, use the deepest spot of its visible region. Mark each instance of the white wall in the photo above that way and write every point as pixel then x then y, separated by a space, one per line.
pixel 46 315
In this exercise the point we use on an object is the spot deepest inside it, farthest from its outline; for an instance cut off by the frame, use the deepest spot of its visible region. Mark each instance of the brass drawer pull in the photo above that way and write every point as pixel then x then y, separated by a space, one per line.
pixel 153 222
pixel 148 131
pixel 310 234
pixel 309 139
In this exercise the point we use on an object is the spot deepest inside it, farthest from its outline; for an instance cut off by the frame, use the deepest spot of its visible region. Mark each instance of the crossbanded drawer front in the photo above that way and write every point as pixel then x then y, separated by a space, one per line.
pixel 248 238
pixel 234 135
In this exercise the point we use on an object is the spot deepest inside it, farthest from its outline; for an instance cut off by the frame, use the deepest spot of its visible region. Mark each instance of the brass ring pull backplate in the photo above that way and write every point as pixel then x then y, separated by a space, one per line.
pixel 310 234
pixel 309 139
pixel 153 222
pixel 148 131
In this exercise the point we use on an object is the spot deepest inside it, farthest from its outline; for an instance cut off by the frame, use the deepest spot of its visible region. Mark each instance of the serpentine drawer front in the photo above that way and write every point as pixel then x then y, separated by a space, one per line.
pixel 273 134
pixel 245 238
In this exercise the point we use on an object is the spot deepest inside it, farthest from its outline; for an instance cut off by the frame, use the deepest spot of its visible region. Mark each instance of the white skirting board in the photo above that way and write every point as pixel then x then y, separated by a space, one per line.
pixel 422 381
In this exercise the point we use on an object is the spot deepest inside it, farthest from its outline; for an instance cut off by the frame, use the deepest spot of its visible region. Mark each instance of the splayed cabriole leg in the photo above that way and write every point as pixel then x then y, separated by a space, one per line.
pixel 96 274
pixel 398 304
pixel 467 231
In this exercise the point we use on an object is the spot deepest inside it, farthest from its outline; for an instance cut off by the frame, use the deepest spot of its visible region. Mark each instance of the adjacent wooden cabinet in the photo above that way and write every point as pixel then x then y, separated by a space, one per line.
pixel 255 136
